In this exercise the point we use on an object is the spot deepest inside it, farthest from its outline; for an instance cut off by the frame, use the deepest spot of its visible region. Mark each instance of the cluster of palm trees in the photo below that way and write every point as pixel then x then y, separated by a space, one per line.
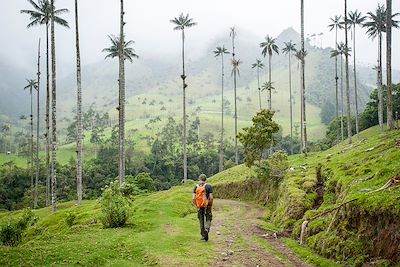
pixel 44 13
pixel 376 23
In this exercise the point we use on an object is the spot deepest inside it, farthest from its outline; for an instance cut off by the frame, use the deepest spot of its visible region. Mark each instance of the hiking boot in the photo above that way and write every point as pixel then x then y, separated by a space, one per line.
pixel 206 235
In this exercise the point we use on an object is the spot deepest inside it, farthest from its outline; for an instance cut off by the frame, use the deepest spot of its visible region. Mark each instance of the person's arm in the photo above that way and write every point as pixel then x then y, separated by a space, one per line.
pixel 194 199
pixel 210 199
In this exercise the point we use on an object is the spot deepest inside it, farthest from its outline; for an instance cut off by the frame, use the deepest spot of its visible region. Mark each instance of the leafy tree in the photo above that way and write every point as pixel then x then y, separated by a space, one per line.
pixel 181 23
pixel 269 47
pixel 259 136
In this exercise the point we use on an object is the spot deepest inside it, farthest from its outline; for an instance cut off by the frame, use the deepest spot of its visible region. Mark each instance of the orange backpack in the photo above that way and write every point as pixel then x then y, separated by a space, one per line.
pixel 201 198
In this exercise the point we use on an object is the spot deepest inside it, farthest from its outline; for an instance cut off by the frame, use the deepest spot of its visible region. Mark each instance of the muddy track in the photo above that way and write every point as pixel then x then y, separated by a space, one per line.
pixel 240 242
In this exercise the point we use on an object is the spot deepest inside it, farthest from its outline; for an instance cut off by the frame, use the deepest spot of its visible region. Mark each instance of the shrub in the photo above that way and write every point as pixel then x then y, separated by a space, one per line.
pixel 70 218
pixel 279 164
pixel 11 232
pixel 114 207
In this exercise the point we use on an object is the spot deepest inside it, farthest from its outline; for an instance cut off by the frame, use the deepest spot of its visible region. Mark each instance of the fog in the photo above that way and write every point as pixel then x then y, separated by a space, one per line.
pixel 148 25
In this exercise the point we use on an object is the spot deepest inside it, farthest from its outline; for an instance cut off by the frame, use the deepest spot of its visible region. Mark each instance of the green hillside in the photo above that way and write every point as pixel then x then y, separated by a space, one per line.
pixel 163 226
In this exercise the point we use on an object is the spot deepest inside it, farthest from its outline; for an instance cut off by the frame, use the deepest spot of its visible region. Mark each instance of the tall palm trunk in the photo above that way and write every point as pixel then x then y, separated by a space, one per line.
pixel 31 144
pixel 349 134
pixel 121 108
pixel 221 151
pixel 336 77
pixel 291 104
pixel 269 80
pixel 234 90
pixel 259 89
pixel 236 147
pixel 355 80
pixel 380 93
pixel 79 111
pixel 53 115
pixel 184 138
pixel 303 84
pixel 48 169
pixel 35 203
pixel 390 123
pixel 341 99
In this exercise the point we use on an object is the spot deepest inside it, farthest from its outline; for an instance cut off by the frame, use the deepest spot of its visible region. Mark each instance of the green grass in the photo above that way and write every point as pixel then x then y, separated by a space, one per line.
pixel 307 255
pixel 163 230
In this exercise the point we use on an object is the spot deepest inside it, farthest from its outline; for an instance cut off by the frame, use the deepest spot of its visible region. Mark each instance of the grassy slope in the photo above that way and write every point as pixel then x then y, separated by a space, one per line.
pixel 161 230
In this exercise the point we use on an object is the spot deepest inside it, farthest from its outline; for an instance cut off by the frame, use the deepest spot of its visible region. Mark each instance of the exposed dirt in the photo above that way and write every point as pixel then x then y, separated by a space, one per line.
pixel 240 242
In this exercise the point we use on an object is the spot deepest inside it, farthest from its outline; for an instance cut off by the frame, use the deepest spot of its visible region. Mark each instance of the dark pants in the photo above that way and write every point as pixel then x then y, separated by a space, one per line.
pixel 201 213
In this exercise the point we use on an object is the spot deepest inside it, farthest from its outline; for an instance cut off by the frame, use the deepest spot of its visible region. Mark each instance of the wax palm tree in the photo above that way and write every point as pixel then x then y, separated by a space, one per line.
pixel 355 18
pixel 259 65
pixel 35 201
pixel 53 170
pixel 289 49
pixel 269 47
pixel 349 131
pixel 232 35
pixel 181 23
pixel 302 81
pixel 336 24
pixel 376 26
pixel 341 51
pixel 79 126
pixel 113 50
pixel 31 85
pixel 389 24
pixel 220 52
pixel 235 73
pixel 41 15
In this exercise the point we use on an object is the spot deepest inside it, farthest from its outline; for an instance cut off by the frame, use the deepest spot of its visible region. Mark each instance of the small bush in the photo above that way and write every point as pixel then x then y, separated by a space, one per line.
pixel 279 164
pixel 11 232
pixel 114 207
pixel 70 218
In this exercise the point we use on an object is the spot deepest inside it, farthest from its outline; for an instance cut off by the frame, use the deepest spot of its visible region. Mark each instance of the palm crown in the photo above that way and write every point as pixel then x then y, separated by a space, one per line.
pixel 32 84
pixel 336 23
pixel 269 46
pixel 356 18
pixel 258 64
pixel 289 47
pixel 376 23
pixel 235 64
pixel 341 50
pixel 113 50
pixel 220 51
pixel 182 22
pixel 42 14
pixel 267 86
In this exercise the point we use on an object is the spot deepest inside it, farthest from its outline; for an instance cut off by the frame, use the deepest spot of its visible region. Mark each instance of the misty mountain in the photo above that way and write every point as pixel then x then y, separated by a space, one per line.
pixel 144 75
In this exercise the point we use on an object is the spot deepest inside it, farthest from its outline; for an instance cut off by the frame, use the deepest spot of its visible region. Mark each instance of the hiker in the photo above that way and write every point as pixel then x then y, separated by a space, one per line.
pixel 203 199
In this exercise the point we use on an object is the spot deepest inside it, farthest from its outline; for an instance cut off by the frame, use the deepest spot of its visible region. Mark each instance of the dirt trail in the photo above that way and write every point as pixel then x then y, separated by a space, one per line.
pixel 240 242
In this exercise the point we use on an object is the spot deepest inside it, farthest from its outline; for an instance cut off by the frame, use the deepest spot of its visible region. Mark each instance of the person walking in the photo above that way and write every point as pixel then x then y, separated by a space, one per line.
pixel 203 200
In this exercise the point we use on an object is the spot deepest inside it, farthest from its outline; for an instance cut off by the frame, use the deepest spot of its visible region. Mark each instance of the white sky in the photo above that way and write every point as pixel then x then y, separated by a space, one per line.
pixel 148 24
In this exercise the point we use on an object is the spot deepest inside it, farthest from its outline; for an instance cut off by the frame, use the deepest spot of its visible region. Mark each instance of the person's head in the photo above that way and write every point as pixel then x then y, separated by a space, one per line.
pixel 202 178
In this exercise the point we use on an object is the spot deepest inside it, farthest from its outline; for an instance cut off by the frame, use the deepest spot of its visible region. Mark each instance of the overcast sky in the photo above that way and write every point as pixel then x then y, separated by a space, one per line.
pixel 148 24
